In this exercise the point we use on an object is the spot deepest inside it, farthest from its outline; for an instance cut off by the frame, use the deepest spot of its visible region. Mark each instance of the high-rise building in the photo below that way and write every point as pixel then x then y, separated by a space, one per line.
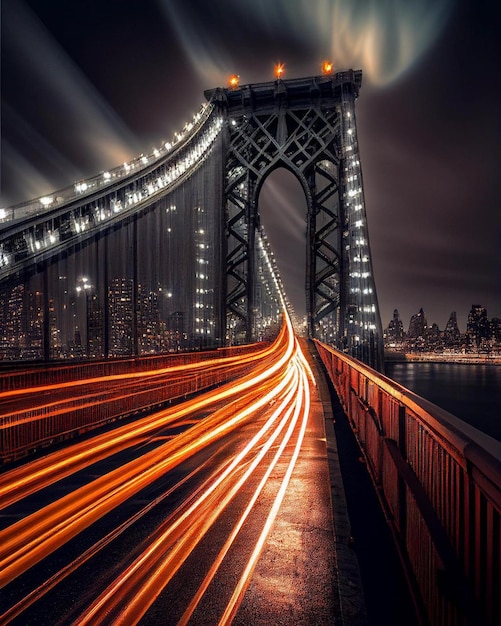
pixel 14 327
pixel 417 331
pixel 433 338
pixel 417 325
pixel 394 334
pixel 477 327
pixel 120 302
pixel 496 329
pixel 176 331
pixel 148 322
pixel 95 326
pixel 34 325
pixel 452 335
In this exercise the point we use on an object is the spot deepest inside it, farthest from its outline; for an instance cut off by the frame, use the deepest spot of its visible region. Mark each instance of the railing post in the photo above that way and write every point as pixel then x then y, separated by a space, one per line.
pixel 382 434
pixel 402 497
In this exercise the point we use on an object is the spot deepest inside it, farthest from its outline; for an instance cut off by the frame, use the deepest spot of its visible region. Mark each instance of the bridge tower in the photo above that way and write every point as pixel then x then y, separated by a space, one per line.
pixel 307 126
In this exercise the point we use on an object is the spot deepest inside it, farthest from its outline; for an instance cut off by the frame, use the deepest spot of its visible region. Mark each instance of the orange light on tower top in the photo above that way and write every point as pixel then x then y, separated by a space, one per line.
pixel 233 81
pixel 327 67
pixel 279 70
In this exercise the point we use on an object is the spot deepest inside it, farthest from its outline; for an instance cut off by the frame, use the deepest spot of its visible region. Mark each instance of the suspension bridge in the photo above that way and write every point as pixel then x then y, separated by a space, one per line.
pixel 143 318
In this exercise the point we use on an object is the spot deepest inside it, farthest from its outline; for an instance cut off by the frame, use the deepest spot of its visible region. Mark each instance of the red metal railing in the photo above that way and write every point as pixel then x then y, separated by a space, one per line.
pixel 40 406
pixel 439 481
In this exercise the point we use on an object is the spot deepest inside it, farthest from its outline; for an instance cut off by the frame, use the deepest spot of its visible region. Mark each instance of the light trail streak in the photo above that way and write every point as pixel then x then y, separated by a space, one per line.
pixel 27 479
pixel 246 575
pixel 223 552
pixel 59 576
pixel 30 421
pixel 100 389
pixel 156 567
pixel 272 402
pixel 28 541
pixel 144 596
pixel 183 369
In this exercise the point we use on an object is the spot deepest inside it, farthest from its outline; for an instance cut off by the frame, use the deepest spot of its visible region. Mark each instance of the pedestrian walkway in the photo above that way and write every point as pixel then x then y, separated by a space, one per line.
pixel 315 580
pixel 385 591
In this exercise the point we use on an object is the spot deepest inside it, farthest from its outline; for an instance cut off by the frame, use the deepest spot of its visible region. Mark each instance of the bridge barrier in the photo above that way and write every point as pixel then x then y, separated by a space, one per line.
pixel 19 375
pixel 439 482
pixel 44 405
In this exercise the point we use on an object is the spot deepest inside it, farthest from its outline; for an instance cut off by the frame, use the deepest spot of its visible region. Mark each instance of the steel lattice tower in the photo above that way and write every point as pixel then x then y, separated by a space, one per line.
pixel 307 126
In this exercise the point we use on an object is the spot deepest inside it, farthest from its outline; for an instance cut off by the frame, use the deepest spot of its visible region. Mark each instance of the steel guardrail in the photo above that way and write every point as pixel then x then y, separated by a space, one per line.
pixel 439 482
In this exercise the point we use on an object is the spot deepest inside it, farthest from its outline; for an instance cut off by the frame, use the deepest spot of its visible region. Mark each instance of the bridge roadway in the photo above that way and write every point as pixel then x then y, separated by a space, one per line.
pixel 204 513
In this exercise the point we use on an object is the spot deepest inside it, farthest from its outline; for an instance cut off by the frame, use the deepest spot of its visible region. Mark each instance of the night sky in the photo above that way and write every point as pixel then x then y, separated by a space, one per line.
pixel 88 84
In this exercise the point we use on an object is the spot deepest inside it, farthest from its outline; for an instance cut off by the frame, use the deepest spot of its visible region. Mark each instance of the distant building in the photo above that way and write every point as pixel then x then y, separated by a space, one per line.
pixel 417 325
pixel 433 338
pixel 34 326
pixel 95 327
pixel 452 335
pixel 148 322
pixel 478 330
pixel 394 333
pixel 417 331
pixel 496 329
pixel 176 331
pixel 14 326
pixel 120 302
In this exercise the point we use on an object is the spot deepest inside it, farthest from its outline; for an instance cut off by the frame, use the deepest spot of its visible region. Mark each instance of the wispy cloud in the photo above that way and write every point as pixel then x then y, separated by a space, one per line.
pixel 385 37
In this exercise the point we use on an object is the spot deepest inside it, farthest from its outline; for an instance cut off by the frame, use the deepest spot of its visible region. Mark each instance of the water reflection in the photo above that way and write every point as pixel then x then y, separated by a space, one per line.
pixel 471 392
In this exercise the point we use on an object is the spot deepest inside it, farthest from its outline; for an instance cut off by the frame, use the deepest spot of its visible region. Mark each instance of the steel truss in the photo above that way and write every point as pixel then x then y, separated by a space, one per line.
pixel 306 126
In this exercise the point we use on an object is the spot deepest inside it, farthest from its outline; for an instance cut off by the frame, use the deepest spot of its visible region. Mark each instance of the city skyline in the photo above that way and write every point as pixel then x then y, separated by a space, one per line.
pixel 429 322
pixel 427 120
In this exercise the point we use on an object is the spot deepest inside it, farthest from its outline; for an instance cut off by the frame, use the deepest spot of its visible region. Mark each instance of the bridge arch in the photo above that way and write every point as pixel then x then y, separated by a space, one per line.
pixel 283 210
pixel 320 183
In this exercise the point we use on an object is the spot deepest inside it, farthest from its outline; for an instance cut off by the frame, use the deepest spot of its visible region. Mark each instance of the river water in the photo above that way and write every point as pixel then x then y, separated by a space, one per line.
pixel 470 392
